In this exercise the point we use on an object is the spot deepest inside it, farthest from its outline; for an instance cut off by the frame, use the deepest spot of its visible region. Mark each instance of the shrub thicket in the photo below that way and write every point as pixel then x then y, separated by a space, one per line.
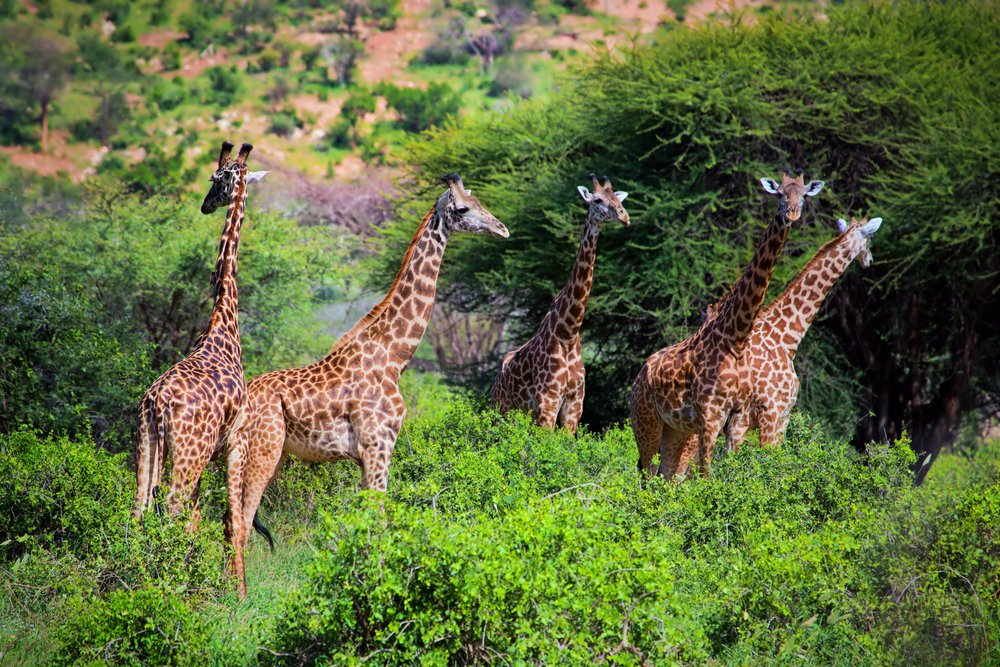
pixel 886 102
pixel 136 628
pixel 66 525
pixel 501 542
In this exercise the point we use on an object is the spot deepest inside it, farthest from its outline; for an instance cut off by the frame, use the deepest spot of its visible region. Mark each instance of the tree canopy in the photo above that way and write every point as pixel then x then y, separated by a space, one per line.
pixel 891 104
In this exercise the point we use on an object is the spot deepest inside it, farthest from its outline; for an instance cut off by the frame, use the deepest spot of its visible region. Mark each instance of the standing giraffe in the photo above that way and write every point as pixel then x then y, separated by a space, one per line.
pixel 692 386
pixel 772 385
pixel 191 409
pixel 348 404
pixel 545 376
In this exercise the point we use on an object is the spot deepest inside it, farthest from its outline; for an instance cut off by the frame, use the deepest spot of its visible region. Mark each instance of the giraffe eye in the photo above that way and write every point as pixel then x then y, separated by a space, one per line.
pixel 462 210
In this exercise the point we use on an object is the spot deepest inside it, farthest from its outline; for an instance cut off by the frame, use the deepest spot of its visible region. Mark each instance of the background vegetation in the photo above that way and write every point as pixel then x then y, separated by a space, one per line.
pixel 498 542
pixel 885 102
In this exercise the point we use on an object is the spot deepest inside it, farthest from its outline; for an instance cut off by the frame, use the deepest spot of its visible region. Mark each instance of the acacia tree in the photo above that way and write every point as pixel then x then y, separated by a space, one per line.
pixel 886 103
pixel 37 69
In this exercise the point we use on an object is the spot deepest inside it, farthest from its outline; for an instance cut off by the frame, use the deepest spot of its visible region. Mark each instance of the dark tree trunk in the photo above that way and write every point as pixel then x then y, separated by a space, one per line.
pixel 45 125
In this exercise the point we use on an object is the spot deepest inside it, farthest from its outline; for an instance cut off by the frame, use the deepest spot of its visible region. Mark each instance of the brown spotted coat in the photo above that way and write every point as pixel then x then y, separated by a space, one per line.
pixel 545 376
pixel 691 387
pixel 348 404
pixel 191 410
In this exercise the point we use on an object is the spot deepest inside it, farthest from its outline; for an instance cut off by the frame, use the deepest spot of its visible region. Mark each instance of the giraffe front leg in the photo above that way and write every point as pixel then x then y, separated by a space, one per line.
pixel 235 522
pixel 375 445
pixel 736 429
pixel 706 444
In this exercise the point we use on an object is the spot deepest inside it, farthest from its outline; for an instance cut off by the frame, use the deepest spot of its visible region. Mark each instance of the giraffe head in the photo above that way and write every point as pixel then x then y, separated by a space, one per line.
pixel 793 193
pixel 460 211
pixel 605 203
pixel 862 231
pixel 223 189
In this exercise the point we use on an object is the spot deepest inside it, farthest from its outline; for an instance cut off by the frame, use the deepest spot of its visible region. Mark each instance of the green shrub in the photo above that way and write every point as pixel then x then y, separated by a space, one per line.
pixel 57 492
pixel 420 109
pixel 502 541
pixel 65 521
pixel 140 627
pixel 544 584
pixel 284 123
pixel 268 60
pixel 59 368
pixel 168 94
pixel 223 85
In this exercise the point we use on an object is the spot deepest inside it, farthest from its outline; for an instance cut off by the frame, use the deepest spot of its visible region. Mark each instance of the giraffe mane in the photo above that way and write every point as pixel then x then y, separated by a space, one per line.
pixel 380 307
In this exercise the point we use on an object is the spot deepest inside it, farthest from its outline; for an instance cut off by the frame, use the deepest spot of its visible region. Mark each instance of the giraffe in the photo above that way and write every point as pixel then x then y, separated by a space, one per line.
pixel 192 408
pixel 348 404
pixel 772 385
pixel 692 386
pixel 545 376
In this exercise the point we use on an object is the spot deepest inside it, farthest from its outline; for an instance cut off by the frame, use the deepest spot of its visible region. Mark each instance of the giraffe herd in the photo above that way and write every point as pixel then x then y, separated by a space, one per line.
pixel 734 373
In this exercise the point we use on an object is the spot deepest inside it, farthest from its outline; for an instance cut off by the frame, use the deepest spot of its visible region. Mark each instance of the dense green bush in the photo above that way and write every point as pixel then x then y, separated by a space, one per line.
pixel 499 541
pixel 136 628
pixel 884 101
pixel 66 524
pixel 59 368
pixel 421 109
pixel 56 493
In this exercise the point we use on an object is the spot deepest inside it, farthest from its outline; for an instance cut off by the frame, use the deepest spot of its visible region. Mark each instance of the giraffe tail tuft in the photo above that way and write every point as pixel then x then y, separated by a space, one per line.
pixel 262 529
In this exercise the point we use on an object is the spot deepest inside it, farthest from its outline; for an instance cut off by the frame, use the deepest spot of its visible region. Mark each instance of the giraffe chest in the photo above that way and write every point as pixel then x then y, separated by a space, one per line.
pixel 692 388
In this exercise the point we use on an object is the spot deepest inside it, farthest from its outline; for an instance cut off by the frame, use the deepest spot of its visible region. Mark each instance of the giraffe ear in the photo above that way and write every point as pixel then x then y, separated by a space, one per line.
pixel 813 188
pixel 621 195
pixel 869 230
pixel 468 193
pixel 585 193
pixel 255 176
pixel 770 185
pixel 842 225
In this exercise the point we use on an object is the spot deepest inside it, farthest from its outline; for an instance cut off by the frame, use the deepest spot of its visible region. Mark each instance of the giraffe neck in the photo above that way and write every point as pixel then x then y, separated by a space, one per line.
pixel 790 315
pixel 739 309
pixel 398 322
pixel 565 318
pixel 223 326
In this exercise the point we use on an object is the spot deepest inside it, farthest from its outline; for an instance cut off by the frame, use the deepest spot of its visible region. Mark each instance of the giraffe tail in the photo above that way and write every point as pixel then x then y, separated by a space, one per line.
pixel 262 529
pixel 159 454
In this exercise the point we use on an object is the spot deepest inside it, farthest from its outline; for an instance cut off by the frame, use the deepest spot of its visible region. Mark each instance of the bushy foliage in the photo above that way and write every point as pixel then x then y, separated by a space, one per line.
pixel 502 542
pixel 884 101
pixel 66 524
pixel 421 109
pixel 59 369
pixel 137 628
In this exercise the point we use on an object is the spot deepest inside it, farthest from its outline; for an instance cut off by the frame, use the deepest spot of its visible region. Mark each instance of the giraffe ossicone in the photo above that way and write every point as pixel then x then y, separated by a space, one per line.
pixel 545 377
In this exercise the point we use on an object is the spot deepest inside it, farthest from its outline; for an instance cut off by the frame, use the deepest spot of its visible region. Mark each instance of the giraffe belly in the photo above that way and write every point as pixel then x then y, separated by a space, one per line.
pixel 324 440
